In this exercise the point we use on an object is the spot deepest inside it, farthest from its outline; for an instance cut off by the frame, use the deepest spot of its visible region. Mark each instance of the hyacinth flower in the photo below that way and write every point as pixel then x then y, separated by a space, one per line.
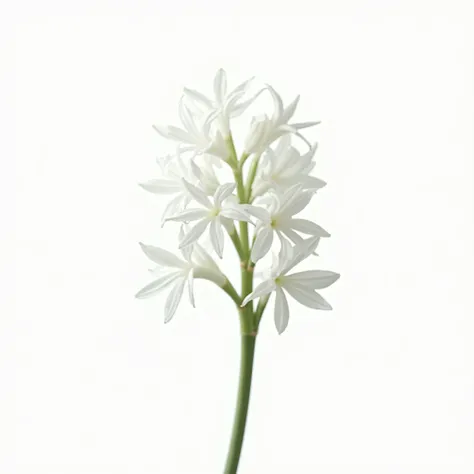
pixel 266 197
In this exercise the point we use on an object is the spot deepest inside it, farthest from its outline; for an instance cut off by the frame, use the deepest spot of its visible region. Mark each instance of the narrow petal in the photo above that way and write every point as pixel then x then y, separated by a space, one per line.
pixel 217 235
pixel 290 110
pixel 161 186
pixel 278 103
pixel 191 287
pixel 173 206
pixel 189 215
pixel 194 233
pixel 297 203
pixel 197 194
pixel 292 235
pixel 311 182
pixel 236 213
pixel 262 244
pixel 282 312
pixel 220 85
pixel 223 192
pixel 162 257
pixel 258 212
pixel 299 126
pixel 308 298
pixel 308 227
pixel 262 289
pixel 313 279
pixel 157 285
pixel 198 97
pixel 173 299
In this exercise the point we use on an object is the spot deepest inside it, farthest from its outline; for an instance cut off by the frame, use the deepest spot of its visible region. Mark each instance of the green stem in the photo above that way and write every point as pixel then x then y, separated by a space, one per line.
pixel 243 396
pixel 232 292
pixel 251 178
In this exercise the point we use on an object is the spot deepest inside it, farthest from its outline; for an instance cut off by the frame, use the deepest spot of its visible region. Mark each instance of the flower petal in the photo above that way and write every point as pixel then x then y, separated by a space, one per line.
pixel 157 285
pixel 290 110
pixel 189 215
pixel 220 85
pixel 191 287
pixel 217 235
pixel 223 192
pixel 161 186
pixel 197 194
pixel 173 299
pixel 260 290
pixel 194 233
pixel 301 125
pixel 297 203
pixel 258 212
pixel 198 97
pixel 282 312
pixel 308 227
pixel 313 279
pixel 309 298
pixel 162 257
pixel 235 212
pixel 263 243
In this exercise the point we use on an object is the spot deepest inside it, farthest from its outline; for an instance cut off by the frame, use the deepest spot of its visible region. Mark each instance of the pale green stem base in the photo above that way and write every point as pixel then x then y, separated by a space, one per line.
pixel 243 396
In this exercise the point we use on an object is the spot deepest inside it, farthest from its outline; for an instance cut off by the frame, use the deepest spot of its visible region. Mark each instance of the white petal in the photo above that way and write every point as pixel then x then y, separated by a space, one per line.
pixel 162 257
pixel 157 285
pixel 236 213
pixel 174 133
pixel 189 215
pixel 258 212
pixel 290 110
pixel 313 279
pixel 220 85
pixel 223 192
pixel 173 206
pixel 262 244
pixel 191 287
pixel 197 194
pixel 292 235
pixel 297 204
pixel 308 298
pixel 308 227
pixel 260 290
pixel 299 126
pixel 278 103
pixel 173 299
pixel 311 182
pixel 217 235
pixel 161 186
pixel 198 97
pixel 194 233
pixel 282 312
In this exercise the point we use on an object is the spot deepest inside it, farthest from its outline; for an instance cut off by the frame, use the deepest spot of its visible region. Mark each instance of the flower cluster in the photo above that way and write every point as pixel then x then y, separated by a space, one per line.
pixel 267 194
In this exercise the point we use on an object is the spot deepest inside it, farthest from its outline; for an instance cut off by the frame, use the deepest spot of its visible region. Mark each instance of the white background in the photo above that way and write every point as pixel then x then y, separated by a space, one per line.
pixel 92 380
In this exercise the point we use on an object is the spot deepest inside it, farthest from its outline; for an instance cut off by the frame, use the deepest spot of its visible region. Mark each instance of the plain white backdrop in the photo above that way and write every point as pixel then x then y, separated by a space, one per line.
pixel 95 383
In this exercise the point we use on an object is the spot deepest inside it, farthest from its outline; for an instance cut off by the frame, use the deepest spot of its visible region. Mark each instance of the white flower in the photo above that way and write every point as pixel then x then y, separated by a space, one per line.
pixel 278 218
pixel 223 106
pixel 284 167
pixel 174 272
pixel 196 135
pixel 301 286
pixel 264 130
pixel 206 174
pixel 215 215
pixel 171 183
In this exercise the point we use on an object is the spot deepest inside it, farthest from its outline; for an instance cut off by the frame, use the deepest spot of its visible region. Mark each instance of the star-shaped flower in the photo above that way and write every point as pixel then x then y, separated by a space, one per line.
pixel 213 214
pixel 278 218
pixel 175 272
pixel 301 286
